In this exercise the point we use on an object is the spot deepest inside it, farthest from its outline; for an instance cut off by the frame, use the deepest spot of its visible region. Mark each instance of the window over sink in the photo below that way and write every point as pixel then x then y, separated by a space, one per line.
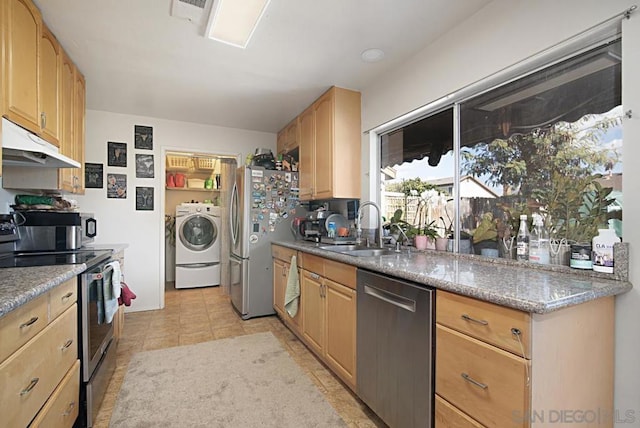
pixel 548 142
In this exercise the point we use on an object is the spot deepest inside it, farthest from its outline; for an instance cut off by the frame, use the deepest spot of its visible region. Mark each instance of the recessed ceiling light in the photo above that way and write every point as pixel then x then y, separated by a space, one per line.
pixel 372 55
pixel 234 21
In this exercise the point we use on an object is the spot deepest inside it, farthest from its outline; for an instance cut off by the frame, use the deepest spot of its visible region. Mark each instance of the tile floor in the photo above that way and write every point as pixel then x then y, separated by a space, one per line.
pixel 199 315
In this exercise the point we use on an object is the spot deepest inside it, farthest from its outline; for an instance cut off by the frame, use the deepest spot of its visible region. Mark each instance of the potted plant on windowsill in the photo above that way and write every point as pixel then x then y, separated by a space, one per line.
pixel 485 236
pixel 442 240
pixel 426 237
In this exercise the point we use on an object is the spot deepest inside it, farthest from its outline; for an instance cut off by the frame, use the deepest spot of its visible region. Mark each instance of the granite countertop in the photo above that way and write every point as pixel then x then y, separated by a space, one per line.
pixel 523 286
pixel 19 285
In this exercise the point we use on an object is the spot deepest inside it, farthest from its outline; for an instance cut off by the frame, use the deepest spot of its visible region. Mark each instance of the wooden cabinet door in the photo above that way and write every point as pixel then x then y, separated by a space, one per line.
pixel 22 25
pixel 78 131
pixel 280 276
pixel 67 79
pixel 313 313
pixel 340 345
pixel 323 183
pixel 306 166
pixel 281 143
pixel 50 80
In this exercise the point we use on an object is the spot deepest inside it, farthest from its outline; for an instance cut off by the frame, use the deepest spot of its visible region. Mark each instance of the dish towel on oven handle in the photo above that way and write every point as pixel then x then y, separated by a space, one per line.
pixel 292 293
pixel 111 291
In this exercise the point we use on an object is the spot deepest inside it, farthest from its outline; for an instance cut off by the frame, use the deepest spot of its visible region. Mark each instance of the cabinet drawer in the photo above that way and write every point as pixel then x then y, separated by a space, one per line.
pixel 21 324
pixel 282 253
pixel 61 410
pixel 488 322
pixel 31 374
pixel 448 416
pixel 485 382
pixel 340 272
pixel 312 263
pixel 62 297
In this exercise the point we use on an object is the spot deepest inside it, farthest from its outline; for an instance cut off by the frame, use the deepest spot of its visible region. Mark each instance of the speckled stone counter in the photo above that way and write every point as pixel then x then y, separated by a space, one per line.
pixel 526 287
pixel 22 284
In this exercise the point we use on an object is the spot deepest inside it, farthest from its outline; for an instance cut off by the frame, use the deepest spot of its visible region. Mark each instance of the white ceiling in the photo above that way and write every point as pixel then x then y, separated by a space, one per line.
pixel 137 59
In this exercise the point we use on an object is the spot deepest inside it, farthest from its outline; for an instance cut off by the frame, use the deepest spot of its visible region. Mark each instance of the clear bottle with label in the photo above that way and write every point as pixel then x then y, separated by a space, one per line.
pixel 539 242
pixel 522 240
pixel 602 250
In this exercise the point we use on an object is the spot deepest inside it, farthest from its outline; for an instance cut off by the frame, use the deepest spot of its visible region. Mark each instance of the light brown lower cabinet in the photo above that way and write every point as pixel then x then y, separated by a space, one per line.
pixel 39 366
pixel 499 367
pixel 327 312
pixel 281 266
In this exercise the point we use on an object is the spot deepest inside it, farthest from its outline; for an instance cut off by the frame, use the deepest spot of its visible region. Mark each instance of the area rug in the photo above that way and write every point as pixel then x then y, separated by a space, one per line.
pixel 245 381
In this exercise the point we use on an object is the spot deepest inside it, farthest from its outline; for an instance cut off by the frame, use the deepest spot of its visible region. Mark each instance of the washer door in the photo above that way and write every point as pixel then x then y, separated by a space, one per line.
pixel 198 232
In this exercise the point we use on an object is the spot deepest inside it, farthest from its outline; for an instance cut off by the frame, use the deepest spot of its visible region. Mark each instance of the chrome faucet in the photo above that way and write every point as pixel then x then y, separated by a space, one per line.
pixel 397 226
pixel 359 226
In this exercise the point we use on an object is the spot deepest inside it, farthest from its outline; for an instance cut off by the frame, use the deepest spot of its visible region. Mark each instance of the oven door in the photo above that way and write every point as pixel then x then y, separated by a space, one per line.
pixel 96 331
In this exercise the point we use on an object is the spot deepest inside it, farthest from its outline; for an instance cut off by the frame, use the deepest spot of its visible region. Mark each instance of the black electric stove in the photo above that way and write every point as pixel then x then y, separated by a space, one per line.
pixel 51 258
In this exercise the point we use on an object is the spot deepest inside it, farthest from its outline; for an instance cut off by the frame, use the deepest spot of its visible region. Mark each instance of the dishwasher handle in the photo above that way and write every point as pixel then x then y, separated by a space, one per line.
pixel 394 299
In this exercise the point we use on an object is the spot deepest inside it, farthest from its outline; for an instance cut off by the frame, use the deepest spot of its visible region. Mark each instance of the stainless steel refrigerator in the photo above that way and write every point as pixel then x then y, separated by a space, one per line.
pixel 263 202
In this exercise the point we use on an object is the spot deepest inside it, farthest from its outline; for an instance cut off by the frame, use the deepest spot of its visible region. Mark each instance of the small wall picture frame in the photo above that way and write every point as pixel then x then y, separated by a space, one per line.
pixel 117 186
pixel 143 137
pixel 116 154
pixel 144 198
pixel 93 174
pixel 144 166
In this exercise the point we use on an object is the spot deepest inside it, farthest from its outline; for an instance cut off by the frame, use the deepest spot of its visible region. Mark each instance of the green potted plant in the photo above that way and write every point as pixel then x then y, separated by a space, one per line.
pixel 426 237
pixel 485 236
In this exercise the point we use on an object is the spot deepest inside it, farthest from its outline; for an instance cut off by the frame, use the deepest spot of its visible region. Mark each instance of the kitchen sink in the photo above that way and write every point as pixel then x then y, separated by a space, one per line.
pixel 358 250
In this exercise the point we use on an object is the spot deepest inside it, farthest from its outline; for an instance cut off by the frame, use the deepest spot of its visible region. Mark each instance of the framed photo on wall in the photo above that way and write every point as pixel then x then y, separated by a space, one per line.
pixel 144 198
pixel 144 166
pixel 116 154
pixel 117 186
pixel 93 173
pixel 143 137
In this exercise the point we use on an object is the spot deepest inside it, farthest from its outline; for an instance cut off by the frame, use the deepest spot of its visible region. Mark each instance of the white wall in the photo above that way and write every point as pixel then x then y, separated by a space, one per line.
pixel 502 34
pixel 143 231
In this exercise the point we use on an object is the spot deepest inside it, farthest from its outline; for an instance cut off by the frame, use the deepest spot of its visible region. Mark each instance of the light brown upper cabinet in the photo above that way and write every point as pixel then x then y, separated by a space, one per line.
pixel 79 130
pixel 50 83
pixel 288 139
pixel 330 140
pixel 65 181
pixel 22 27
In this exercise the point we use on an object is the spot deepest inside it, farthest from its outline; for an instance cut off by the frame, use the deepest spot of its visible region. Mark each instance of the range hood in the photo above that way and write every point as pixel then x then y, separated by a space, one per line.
pixel 23 148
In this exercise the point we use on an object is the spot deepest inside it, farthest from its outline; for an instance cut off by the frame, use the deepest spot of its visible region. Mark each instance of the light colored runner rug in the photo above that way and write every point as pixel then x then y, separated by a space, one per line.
pixel 245 381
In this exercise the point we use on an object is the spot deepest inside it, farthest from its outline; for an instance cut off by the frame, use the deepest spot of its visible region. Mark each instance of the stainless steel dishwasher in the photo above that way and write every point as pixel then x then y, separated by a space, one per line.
pixel 395 349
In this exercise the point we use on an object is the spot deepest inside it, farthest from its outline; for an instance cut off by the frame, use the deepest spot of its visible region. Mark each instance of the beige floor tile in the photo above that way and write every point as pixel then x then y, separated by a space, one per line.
pixel 197 337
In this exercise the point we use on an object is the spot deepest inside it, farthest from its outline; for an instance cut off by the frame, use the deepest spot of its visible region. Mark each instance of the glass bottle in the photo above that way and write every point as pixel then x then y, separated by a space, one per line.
pixel 522 240
pixel 539 242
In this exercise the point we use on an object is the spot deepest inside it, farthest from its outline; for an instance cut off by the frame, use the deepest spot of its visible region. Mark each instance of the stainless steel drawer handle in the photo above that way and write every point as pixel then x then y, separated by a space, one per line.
pixel 315 276
pixel 28 323
pixel 67 344
pixel 31 385
pixel 473 381
pixel 392 298
pixel 66 296
pixel 468 318
pixel 69 409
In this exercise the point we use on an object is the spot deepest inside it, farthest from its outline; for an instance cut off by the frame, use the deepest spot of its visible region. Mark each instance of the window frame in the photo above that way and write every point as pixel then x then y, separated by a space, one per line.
pixel 589 39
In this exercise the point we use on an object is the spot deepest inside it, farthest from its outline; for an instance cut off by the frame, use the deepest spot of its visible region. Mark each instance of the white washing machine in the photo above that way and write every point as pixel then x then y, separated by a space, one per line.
pixel 197 245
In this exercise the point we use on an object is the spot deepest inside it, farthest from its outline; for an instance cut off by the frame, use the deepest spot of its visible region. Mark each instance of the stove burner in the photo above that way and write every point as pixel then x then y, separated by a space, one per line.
pixel 52 258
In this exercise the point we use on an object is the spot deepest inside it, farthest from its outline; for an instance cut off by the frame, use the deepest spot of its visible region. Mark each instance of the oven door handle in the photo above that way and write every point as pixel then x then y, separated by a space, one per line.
pixel 101 274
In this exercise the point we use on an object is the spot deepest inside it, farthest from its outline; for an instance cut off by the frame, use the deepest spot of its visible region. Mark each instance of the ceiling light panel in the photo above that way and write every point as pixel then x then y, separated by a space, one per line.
pixel 234 21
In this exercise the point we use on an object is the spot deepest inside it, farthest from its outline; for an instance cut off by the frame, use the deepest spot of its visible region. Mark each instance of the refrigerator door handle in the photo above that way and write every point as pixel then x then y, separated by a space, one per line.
pixel 233 217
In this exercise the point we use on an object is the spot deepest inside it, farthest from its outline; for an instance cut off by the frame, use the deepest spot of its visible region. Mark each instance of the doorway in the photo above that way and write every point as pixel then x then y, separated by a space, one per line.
pixel 194 178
